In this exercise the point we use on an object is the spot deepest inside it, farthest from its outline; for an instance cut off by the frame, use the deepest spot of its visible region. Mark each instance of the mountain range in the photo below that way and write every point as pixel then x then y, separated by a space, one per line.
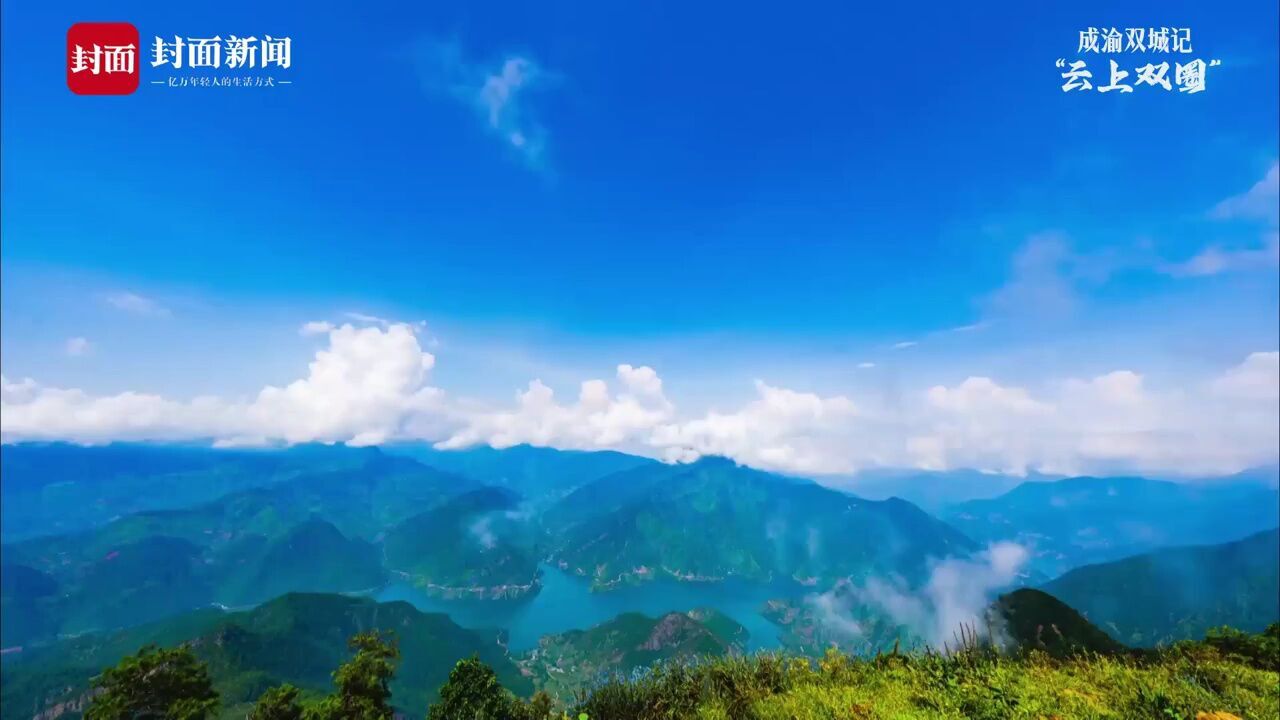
pixel 59 488
pixel 713 519
pixel 481 525
pixel 1082 520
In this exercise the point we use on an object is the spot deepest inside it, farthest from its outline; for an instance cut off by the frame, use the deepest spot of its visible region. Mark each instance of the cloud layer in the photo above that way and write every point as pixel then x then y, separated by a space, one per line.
pixel 369 384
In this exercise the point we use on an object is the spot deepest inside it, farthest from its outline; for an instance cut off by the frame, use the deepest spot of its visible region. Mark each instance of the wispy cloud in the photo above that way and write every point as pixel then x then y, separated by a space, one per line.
pixel 904 345
pixel 316 327
pixel 137 304
pixel 498 92
pixel 1048 277
pixel 1260 202
pixel 78 346
pixel 1216 259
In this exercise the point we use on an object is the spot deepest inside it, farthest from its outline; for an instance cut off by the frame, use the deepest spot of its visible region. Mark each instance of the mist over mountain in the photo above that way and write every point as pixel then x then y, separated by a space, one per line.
pixel 1076 521
pixel 477 545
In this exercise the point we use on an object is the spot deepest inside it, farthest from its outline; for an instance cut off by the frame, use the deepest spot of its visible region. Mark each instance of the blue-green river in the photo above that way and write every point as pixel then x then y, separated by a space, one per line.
pixel 567 603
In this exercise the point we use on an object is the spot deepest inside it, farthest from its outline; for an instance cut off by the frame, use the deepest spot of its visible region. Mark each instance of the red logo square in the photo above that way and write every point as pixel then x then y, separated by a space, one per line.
pixel 102 58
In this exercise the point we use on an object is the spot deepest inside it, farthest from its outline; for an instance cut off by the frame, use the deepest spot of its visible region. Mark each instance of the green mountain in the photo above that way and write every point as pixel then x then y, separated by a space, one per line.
pixel 476 545
pixel 314 532
pixel 159 576
pixel 713 519
pixel 1179 593
pixel 57 488
pixel 563 664
pixel 298 638
pixel 537 474
pixel 312 556
pixel 135 582
pixel 25 598
pixel 1030 618
pixel 1077 521
pixel 367 500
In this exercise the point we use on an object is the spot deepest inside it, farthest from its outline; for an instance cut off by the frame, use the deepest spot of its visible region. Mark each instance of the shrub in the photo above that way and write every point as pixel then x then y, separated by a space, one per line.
pixel 154 683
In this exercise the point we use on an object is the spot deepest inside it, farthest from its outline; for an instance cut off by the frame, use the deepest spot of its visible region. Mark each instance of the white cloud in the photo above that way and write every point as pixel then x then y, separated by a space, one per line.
pixel 866 365
pixel 904 344
pixel 1046 279
pixel 781 429
pixel 1261 202
pixel 136 304
pixel 1215 259
pixel 369 384
pixel 598 419
pixel 1257 378
pixel 499 94
pixel 316 327
pixel 78 346
pixel 361 389
pixel 358 390
pixel 1110 422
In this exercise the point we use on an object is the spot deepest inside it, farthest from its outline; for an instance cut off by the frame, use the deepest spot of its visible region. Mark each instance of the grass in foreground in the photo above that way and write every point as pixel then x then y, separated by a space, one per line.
pixel 1228 675
pixel 1229 672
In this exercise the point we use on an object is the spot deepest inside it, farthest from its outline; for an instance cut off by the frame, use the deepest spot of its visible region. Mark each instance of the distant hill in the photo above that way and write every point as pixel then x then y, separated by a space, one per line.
pixel 59 488
pixel 26 595
pixel 1078 521
pixel 1179 593
pixel 713 519
pixel 312 555
pixel 476 545
pixel 565 663
pixel 933 491
pixel 157 576
pixel 313 532
pixel 297 638
pixel 535 473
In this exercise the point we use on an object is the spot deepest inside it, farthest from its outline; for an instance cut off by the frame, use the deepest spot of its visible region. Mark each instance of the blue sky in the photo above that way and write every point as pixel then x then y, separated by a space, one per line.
pixel 723 193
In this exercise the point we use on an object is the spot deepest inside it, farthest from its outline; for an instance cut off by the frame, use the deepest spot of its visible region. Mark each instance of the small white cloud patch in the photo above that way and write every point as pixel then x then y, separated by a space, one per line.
pixel 78 346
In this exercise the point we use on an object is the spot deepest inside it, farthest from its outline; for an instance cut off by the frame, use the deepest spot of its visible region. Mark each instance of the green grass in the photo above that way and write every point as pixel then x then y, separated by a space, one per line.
pixel 1233 673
